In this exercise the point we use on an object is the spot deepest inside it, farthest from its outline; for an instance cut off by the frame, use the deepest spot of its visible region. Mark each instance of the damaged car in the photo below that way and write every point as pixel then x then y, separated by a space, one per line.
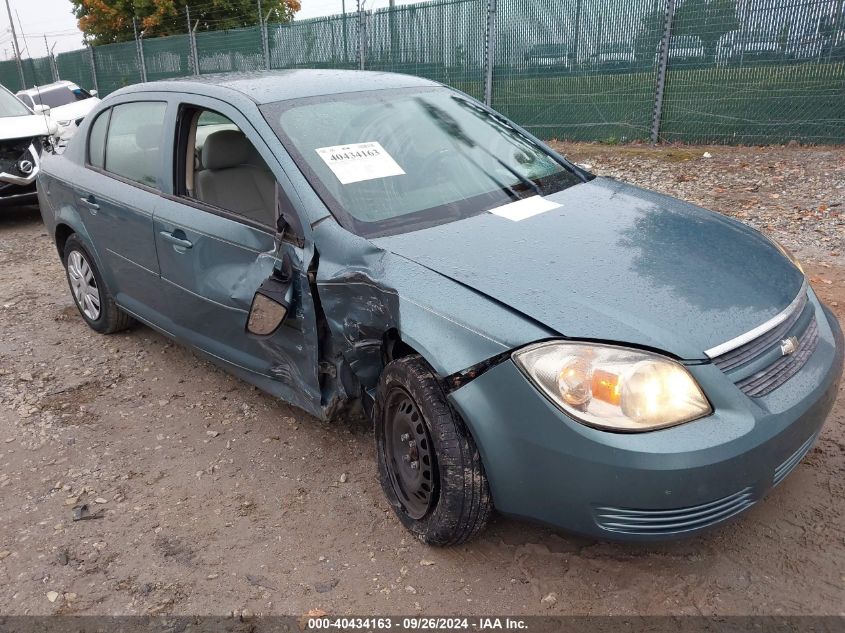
pixel 23 136
pixel 524 336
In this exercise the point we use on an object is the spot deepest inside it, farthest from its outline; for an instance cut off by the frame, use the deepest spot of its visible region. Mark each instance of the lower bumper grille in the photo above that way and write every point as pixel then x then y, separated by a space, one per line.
pixel 787 466
pixel 676 521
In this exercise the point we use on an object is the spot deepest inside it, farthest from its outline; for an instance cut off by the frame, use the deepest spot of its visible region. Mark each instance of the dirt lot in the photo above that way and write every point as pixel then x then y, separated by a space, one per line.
pixel 217 498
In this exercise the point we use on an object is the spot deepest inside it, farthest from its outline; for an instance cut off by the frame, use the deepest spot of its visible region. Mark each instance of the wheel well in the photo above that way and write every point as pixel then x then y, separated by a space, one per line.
pixel 63 231
pixel 394 347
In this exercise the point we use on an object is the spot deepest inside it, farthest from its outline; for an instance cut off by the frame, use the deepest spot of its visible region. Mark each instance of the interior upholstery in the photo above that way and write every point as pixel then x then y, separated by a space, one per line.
pixel 227 180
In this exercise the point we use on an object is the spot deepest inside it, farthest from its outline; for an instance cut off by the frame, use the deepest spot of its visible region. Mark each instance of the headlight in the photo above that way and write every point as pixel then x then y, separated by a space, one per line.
pixel 786 253
pixel 613 388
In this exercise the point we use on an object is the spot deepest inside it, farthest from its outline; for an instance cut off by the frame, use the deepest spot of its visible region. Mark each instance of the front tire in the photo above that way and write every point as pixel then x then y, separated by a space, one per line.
pixel 429 466
pixel 90 294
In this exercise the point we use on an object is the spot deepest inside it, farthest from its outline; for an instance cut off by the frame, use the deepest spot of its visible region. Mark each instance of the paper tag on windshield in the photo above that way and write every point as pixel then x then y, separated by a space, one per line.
pixel 359 161
pixel 525 208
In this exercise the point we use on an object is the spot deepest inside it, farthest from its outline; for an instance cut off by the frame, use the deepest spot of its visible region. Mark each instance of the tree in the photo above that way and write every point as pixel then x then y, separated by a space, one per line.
pixel 107 21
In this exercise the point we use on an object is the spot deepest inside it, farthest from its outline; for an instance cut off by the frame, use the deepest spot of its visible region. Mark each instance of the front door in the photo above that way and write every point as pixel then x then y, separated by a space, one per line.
pixel 216 242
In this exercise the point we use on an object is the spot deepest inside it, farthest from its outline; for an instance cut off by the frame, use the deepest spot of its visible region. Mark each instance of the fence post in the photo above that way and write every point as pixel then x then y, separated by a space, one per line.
pixel 662 64
pixel 192 43
pixel 265 42
pixel 489 52
pixel 93 68
pixel 362 36
pixel 140 46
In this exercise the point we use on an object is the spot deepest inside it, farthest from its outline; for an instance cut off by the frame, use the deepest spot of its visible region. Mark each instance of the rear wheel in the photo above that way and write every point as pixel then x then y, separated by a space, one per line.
pixel 429 465
pixel 93 300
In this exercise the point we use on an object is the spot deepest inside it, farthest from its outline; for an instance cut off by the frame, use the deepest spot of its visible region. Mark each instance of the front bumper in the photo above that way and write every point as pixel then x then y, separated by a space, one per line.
pixel 663 484
pixel 12 195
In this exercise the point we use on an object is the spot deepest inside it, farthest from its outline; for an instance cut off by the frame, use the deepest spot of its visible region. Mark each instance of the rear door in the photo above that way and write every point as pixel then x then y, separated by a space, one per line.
pixel 117 194
pixel 216 242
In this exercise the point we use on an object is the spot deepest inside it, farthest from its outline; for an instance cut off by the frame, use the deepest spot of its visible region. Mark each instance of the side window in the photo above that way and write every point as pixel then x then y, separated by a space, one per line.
pixel 27 100
pixel 133 147
pixel 97 140
pixel 223 168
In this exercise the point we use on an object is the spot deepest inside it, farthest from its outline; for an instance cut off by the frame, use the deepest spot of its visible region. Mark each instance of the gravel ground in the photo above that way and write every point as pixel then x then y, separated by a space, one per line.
pixel 213 498
pixel 794 194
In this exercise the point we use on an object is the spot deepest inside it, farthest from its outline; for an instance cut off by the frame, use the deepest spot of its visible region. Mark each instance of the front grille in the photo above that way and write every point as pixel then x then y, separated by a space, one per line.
pixel 742 363
pixel 787 466
pixel 762 343
pixel 666 522
pixel 784 368
pixel 11 153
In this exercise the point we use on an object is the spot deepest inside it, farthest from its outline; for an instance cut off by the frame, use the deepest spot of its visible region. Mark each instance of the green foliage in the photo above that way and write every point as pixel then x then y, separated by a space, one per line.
pixel 109 21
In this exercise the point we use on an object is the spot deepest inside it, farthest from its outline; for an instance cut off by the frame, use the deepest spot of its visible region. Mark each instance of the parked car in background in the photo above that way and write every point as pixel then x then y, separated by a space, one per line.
pixel 65 102
pixel 685 48
pixel 523 334
pixel 22 137
pixel 613 55
pixel 552 56
pixel 739 48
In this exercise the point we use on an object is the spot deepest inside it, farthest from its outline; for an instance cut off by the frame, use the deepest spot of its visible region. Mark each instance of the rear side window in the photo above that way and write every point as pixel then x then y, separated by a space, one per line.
pixel 133 146
pixel 97 140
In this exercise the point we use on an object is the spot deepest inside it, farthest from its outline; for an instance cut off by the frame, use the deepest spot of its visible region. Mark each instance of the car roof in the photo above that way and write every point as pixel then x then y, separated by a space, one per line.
pixel 56 84
pixel 282 85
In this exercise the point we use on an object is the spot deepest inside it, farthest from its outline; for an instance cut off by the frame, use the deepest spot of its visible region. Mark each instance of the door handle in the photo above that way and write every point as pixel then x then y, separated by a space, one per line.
pixel 90 202
pixel 176 239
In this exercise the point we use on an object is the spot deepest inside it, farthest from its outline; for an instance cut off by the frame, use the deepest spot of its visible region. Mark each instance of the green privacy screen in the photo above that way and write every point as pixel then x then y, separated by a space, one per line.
pixel 330 42
pixel 116 65
pixel 236 50
pixel 578 69
pixel 728 71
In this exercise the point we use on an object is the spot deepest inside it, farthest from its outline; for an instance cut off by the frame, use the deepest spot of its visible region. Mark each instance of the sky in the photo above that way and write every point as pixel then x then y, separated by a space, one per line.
pixel 54 19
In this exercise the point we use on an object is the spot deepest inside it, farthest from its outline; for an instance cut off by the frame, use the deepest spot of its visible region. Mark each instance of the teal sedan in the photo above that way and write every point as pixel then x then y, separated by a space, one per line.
pixel 523 335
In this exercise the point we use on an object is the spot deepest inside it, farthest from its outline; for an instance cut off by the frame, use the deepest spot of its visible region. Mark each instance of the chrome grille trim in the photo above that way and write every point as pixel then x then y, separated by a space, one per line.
pixel 742 339
pixel 784 368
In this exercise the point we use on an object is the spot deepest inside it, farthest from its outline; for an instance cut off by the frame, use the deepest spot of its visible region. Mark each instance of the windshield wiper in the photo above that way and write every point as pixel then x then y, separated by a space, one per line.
pixel 525 181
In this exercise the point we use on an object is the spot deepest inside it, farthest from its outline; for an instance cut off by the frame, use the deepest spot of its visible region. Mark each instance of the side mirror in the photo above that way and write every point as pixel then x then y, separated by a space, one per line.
pixel 93 93
pixel 272 301
pixel 40 108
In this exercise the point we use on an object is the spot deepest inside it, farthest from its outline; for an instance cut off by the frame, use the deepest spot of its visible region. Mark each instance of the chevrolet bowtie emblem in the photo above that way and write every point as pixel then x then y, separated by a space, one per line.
pixel 788 346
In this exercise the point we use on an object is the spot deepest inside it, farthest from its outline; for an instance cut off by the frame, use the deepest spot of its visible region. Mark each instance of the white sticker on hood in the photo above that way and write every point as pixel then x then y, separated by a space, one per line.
pixel 359 161
pixel 525 208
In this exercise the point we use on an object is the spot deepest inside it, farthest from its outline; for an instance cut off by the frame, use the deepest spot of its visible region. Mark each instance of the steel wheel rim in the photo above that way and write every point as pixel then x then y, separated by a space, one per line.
pixel 83 285
pixel 409 454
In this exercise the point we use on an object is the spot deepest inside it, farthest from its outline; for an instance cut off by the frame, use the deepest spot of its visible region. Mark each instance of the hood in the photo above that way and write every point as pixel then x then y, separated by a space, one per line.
pixel 12 127
pixel 616 263
pixel 74 110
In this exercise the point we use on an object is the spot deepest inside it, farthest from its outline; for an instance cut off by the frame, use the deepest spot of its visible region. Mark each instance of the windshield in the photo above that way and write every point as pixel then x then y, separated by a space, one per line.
pixel 55 97
pixel 10 105
pixel 394 161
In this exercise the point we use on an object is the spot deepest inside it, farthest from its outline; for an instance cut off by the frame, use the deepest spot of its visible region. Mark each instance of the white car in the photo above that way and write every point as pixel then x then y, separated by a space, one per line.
pixel 22 136
pixel 66 104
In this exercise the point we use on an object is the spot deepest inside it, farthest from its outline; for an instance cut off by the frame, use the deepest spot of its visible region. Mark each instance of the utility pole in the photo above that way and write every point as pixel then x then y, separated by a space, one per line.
pixel 15 45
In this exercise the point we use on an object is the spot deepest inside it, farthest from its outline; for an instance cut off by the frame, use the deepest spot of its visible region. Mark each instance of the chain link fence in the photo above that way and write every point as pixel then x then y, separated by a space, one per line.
pixel 725 71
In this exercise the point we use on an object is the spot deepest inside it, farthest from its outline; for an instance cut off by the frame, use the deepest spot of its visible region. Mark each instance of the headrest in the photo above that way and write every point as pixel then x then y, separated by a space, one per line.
pixel 224 149
pixel 148 136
